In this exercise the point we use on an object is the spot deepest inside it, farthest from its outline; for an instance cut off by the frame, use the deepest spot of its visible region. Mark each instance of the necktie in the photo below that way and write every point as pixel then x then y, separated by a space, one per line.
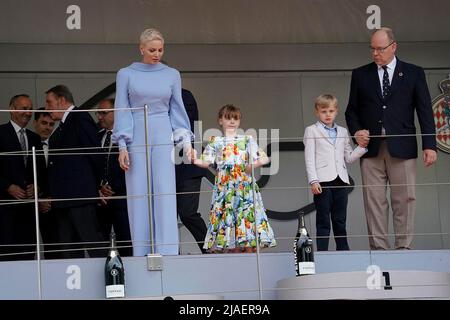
pixel 23 144
pixel 386 84
pixel 106 146
pixel 107 142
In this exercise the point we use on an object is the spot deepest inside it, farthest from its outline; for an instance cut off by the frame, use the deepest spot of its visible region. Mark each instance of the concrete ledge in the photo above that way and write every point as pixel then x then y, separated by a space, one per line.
pixel 388 284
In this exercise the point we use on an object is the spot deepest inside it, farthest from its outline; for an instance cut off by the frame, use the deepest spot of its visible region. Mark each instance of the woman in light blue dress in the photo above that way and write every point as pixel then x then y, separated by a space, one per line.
pixel 158 86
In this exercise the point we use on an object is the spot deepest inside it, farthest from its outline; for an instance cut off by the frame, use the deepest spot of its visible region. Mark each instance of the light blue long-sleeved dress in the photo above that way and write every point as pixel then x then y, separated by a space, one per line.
pixel 159 87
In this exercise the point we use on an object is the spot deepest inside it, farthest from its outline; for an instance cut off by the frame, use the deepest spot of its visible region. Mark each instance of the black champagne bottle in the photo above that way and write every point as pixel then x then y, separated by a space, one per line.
pixel 114 272
pixel 303 250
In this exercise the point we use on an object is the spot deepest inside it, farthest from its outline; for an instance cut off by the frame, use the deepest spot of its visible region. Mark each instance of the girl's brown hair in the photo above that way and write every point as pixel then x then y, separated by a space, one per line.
pixel 229 111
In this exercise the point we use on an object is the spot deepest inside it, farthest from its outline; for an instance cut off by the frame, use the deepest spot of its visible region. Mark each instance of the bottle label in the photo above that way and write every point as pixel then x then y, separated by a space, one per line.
pixel 306 268
pixel 115 291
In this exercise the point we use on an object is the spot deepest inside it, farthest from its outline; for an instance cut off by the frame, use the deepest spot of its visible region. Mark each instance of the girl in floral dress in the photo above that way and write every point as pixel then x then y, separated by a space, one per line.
pixel 232 216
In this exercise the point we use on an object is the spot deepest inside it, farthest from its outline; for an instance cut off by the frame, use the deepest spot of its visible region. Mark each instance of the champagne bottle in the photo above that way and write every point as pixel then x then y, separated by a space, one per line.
pixel 303 250
pixel 114 272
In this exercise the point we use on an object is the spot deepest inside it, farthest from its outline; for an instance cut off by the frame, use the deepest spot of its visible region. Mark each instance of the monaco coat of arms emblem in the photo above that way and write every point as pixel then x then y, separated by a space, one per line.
pixel 441 112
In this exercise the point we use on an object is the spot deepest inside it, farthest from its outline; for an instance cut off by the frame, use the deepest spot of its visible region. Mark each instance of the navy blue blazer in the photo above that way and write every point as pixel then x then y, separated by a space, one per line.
pixel 409 93
pixel 74 175
pixel 12 167
pixel 114 174
pixel 189 171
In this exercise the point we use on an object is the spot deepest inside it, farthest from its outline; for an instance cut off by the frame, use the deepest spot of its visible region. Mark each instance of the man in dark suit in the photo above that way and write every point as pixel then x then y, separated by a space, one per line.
pixel 189 180
pixel 383 97
pixel 17 220
pixel 112 212
pixel 43 125
pixel 73 173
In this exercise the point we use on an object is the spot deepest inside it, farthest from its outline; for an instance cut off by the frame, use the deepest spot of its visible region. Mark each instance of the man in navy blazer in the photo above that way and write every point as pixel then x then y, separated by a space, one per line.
pixel 17 220
pixel 43 125
pixel 383 98
pixel 112 212
pixel 74 173
pixel 189 180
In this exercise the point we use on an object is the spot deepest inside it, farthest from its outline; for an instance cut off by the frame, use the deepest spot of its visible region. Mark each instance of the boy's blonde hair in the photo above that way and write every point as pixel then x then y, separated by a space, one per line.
pixel 325 100
pixel 229 111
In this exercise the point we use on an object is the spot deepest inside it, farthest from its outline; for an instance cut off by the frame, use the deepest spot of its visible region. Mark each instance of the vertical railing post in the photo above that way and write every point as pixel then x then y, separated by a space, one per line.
pixel 36 210
pixel 256 221
pixel 149 182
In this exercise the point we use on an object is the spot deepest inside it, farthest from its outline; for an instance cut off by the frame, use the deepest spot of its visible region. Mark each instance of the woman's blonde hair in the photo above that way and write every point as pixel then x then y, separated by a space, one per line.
pixel 150 35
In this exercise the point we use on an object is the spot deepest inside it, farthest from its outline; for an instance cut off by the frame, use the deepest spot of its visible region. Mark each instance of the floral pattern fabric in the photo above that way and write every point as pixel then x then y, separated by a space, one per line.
pixel 232 215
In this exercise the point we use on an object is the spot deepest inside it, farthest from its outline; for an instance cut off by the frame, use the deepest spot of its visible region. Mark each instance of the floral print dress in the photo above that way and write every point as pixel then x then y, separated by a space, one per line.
pixel 232 216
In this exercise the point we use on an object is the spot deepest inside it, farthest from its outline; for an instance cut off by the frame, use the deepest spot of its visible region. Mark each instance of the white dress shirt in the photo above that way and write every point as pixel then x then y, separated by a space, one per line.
pixel 45 148
pixel 17 128
pixel 390 70
pixel 66 114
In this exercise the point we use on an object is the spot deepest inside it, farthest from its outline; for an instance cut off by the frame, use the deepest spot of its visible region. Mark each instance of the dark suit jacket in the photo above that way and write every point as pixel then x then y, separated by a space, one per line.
pixel 17 222
pixel 189 171
pixel 12 167
pixel 409 93
pixel 114 174
pixel 74 175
